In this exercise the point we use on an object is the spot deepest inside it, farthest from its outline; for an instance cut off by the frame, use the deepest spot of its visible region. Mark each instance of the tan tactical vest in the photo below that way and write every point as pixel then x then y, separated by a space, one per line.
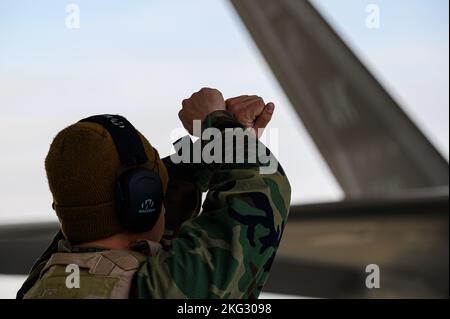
pixel 102 275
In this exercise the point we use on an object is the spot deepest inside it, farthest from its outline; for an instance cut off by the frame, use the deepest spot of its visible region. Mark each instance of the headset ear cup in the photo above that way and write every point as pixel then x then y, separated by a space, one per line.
pixel 139 197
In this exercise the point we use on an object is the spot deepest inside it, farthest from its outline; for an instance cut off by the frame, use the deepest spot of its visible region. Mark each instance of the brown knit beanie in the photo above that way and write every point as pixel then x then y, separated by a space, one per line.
pixel 82 166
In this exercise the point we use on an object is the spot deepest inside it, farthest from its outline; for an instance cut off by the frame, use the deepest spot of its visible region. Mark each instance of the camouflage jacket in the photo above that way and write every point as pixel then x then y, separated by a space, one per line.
pixel 227 250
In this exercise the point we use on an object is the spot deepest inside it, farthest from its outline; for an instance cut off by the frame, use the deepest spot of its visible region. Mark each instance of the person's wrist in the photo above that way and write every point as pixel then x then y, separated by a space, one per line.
pixel 220 119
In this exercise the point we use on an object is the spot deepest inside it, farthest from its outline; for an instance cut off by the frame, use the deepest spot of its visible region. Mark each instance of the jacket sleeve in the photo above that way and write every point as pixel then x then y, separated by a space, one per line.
pixel 183 198
pixel 228 250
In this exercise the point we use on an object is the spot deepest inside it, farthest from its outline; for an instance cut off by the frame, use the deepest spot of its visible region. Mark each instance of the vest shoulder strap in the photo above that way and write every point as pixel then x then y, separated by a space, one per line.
pixel 101 263
pixel 120 265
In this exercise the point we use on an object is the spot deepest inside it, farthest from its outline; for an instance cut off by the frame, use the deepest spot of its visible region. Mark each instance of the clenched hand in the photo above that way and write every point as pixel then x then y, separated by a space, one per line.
pixel 200 105
pixel 251 112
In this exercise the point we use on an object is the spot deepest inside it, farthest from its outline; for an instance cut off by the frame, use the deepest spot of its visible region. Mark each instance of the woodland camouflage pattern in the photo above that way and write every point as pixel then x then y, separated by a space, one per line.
pixel 228 250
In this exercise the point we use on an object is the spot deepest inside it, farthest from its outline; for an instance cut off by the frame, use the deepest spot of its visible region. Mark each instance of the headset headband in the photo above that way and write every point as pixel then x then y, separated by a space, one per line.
pixel 126 138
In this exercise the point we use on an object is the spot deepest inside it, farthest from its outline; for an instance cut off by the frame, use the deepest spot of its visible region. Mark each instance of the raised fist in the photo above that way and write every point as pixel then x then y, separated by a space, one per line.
pixel 251 112
pixel 199 106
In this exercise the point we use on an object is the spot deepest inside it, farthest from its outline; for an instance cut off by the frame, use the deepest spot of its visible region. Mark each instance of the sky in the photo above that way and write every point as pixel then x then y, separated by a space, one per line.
pixel 142 58
pixel 408 54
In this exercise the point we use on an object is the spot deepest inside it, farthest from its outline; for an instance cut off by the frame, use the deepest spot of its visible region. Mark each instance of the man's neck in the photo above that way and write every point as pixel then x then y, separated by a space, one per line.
pixel 115 242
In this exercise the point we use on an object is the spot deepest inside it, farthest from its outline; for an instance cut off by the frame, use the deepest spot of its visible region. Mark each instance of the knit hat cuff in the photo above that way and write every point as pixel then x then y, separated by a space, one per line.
pixel 88 223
